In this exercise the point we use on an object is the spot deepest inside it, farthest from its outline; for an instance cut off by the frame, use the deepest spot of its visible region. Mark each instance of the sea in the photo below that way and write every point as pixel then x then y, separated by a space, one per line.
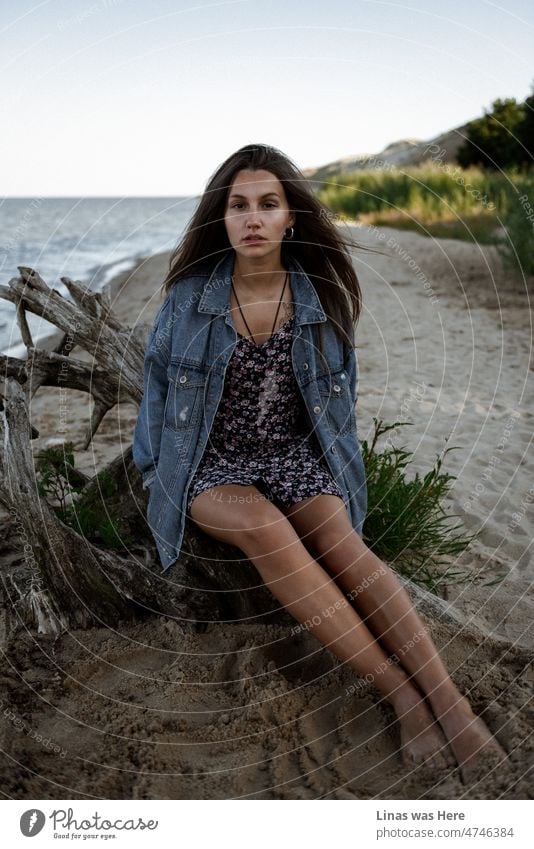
pixel 88 239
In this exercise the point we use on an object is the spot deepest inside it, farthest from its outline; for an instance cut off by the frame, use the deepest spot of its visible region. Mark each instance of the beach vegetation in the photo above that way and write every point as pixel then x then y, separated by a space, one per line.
pixel 444 201
pixel 81 506
pixel 407 524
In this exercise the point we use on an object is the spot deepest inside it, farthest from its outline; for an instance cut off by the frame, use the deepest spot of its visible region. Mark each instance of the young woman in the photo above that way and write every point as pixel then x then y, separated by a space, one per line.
pixel 248 422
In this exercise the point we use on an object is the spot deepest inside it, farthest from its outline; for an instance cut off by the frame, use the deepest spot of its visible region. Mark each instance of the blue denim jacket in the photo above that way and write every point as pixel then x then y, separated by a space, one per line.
pixel 190 345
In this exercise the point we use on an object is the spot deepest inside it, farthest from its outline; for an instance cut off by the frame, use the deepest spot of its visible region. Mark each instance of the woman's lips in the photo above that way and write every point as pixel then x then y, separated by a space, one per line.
pixel 254 241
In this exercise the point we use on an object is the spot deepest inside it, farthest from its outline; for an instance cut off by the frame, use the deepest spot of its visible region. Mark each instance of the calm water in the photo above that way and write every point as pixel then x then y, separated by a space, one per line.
pixel 87 239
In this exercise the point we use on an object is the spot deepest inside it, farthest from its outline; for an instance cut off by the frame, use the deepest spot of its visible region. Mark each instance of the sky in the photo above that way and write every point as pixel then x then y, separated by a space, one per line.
pixel 121 98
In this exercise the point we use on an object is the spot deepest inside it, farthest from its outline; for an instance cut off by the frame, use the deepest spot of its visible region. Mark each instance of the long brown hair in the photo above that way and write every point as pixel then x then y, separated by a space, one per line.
pixel 317 243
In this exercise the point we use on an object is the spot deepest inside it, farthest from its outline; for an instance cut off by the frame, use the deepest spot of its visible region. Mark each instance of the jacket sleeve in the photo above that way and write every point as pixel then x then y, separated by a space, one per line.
pixel 350 367
pixel 149 424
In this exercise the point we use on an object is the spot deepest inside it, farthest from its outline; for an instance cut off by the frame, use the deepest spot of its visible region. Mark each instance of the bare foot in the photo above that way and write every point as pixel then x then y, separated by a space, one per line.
pixel 422 739
pixel 471 740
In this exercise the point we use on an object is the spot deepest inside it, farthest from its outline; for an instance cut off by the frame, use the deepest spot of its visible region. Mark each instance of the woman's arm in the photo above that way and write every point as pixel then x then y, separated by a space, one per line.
pixel 149 424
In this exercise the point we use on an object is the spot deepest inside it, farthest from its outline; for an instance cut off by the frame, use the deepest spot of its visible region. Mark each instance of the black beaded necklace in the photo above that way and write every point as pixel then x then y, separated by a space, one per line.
pixel 277 311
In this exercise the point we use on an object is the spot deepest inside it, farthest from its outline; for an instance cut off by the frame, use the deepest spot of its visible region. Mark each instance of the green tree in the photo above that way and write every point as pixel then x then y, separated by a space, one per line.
pixel 494 140
pixel 526 131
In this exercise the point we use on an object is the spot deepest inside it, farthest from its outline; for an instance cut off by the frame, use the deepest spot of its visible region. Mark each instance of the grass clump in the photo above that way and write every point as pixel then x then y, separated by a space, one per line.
pixel 444 201
pixel 516 247
pixel 406 524
pixel 421 196
pixel 81 507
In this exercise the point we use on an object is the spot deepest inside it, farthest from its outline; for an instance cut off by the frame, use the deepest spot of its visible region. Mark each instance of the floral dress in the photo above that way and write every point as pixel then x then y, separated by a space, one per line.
pixel 259 433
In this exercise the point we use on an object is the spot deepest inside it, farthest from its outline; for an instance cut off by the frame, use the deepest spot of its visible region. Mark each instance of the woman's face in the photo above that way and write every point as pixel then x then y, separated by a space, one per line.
pixel 256 205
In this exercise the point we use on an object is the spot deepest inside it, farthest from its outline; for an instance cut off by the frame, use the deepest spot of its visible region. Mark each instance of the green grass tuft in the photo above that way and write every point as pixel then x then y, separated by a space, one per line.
pixel 84 511
pixel 406 524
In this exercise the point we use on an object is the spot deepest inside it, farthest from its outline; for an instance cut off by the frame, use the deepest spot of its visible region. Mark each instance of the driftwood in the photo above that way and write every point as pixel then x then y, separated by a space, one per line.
pixel 61 580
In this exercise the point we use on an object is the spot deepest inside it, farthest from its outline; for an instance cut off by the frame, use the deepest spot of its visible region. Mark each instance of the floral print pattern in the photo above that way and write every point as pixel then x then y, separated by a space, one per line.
pixel 259 434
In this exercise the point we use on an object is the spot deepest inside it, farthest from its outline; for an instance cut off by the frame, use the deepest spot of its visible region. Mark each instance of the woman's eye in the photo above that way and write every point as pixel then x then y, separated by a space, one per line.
pixel 267 203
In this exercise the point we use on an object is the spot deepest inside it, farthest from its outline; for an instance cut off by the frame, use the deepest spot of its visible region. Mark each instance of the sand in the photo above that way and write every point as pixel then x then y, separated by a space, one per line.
pixel 167 710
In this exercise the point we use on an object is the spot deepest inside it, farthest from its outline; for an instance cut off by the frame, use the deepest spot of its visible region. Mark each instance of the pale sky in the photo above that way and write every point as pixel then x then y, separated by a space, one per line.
pixel 130 97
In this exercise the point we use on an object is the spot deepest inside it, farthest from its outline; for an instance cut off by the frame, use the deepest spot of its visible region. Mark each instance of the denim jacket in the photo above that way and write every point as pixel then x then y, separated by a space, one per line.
pixel 188 350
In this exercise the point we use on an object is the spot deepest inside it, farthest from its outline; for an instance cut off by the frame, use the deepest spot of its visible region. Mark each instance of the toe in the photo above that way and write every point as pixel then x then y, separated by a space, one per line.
pixel 408 760
pixel 451 760
pixel 437 761
pixel 448 756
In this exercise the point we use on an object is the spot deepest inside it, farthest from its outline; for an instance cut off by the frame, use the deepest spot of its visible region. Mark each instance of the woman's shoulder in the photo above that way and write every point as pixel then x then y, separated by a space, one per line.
pixel 186 284
pixel 189 282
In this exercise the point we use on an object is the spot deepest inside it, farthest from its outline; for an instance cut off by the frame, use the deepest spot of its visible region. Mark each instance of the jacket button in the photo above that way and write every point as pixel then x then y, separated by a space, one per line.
pixel 333 449
pixel 337 387
pixel 305 366
pixel 183 378
pixel 316 409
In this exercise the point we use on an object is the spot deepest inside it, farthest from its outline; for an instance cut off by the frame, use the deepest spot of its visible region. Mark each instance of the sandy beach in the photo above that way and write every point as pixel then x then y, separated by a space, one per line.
pixel 161 710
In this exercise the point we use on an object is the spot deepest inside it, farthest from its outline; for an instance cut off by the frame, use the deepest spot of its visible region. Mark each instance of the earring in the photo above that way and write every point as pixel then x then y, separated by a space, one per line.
pixel 292 233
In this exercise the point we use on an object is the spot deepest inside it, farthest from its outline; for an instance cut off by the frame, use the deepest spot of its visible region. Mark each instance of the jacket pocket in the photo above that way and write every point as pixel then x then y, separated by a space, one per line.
pixel 184 405
pixel 337 402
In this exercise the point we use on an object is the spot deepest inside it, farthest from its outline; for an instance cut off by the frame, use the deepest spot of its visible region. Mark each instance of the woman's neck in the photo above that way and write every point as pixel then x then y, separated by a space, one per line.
pixel 263 275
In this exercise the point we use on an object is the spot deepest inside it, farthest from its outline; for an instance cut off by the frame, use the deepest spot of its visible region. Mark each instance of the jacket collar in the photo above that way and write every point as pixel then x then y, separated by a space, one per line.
pixel 216 294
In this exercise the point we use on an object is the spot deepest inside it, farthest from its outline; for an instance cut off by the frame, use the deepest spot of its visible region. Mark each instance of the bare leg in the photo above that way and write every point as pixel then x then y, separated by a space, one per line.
pixel 387 610
pixel 306 590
